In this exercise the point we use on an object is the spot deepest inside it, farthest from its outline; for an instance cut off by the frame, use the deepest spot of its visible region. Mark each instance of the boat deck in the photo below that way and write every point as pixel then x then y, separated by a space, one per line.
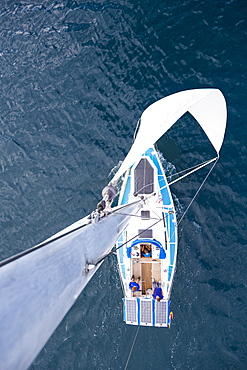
pixel 147 269
pixel 149 242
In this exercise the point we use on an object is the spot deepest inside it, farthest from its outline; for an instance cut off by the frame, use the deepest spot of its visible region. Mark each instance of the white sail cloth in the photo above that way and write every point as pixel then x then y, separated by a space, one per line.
pixel 208 106
pixel 38 289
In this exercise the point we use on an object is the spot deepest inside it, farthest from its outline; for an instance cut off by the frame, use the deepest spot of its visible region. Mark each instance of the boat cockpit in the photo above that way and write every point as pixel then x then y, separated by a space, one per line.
pixel 146 257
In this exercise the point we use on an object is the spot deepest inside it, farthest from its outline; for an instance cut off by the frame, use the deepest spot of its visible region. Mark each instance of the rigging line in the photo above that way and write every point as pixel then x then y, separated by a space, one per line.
pixel 120 246
pixel 188 169
pixel 136 130
pixel 197 191
pixel 145 186
pixel 125 205
pixel 32 249
pixel 121 255
pixel 128 214
pixel 43 244
pixel 195 169
pixel 198 166
pixel 190 172
pixel 127 362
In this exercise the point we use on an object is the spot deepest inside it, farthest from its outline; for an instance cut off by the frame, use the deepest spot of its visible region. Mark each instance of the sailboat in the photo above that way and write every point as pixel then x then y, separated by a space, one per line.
pixel 147 260
pixel 39 285
pixel 147 249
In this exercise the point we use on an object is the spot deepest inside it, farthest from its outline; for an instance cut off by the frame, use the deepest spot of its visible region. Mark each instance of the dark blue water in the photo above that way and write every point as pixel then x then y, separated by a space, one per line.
pixel 74 79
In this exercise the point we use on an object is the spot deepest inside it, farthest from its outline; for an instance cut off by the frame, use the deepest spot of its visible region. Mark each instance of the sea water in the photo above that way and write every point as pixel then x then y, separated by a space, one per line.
pixel 75 77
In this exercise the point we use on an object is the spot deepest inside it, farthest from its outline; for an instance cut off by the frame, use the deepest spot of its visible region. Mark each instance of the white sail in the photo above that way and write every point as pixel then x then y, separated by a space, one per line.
pixel 38 289
pixel 208 107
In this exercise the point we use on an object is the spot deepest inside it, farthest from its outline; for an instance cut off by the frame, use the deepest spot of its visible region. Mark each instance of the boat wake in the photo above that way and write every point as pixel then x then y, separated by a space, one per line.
pixel 170 171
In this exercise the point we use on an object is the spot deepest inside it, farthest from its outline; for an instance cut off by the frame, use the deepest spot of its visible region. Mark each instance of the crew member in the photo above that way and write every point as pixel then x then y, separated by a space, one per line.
pixel 134 284
pixel 157 294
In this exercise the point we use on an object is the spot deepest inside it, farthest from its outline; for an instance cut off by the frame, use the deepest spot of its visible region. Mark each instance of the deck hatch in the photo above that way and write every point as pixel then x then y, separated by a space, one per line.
pixel 144 177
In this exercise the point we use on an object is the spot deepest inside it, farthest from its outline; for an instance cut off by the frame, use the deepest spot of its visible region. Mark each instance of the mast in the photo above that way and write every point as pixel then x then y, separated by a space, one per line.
pixel 38 288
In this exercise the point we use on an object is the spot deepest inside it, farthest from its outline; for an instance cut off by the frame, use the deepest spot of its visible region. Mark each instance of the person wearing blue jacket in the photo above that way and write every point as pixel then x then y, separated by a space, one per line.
pixel 157 291
pixel 133 285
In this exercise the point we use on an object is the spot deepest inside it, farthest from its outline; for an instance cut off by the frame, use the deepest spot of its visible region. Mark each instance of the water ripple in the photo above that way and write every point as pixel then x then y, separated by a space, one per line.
pixel 75 77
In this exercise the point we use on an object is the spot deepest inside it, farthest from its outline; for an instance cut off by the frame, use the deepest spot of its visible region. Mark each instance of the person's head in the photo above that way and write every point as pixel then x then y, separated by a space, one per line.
pixel 132 279
pixel 157 298
pixel 133 288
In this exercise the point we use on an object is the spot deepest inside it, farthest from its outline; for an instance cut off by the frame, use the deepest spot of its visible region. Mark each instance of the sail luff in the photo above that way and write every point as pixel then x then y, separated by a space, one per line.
pixel 38 289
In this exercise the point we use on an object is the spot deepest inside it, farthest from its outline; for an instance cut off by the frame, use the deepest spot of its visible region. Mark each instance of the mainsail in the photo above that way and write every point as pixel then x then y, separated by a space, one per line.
pixel 38 288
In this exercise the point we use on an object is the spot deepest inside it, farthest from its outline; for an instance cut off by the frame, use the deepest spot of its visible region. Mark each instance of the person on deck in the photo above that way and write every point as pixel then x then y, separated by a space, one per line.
pixel 146 251
pixel 134 285
pixel 157 291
